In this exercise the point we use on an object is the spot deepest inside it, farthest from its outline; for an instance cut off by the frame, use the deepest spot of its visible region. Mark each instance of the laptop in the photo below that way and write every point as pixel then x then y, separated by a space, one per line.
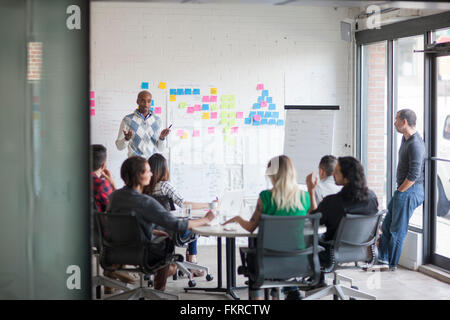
pixel 231 203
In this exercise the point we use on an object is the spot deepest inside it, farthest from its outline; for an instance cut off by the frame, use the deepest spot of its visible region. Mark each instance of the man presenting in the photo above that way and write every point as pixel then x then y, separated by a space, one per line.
pixel 410 191
pixel 140 131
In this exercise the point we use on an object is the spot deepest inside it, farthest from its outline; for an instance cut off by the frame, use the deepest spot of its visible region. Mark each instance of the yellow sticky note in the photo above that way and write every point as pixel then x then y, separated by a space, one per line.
pixel 173 97
pixel 205 115
pixel 162 85
pixel 185 136
pixel 213 90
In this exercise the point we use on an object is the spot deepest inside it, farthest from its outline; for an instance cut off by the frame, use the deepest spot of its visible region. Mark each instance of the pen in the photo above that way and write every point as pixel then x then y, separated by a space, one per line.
pixel 170 125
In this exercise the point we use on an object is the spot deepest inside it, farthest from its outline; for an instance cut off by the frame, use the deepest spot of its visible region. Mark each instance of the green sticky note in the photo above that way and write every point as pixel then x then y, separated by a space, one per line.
pixel 232 114
pixel 227 130
pixel 224 121
pixel 213 106
pixel 182 105
pixel 223 114
pixel 232 105
pixel 231 122
pixel 232 141
pixel 231 98
pixel 224 97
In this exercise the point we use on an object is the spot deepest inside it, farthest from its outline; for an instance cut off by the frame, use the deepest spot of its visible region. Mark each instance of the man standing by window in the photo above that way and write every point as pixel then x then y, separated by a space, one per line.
pixel 410 190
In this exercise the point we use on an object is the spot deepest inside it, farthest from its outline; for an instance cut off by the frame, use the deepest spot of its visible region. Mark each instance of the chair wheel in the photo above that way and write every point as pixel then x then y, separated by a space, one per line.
pixel 180 273
pixel 209 277
pixel 192 283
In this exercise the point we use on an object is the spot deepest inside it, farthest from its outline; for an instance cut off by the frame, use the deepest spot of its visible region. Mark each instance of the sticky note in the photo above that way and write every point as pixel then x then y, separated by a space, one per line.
pixel 256 106
pixel 92 103
pixel 259 86
pixel 275 114
pixel 144 85
pixel 213 98
pixel 226 130
pixel 211 130
pixel 257 117
pixel 92 112
pixel 256 123
pixel 187 91
pixel 232 141
pixel 280 122
pixel 213 115
pixel 180 92
pixel 239 115
pixel 252 113
pixel 197 107
pixel 158 110
pixel 205 99
pixel 180 133
pixel 224 121
pixel 205 106
pixel 224 114
pixel 196 133
pixel 224 97
pixel 214 106
pixel 231 122
pixel 196 91
pixel 190 110
pixel 213 91
pixel 269 99
pixel 182 105
pixel 231 98
pixel 162 85
pixel 205 115
pixel 272 106
pixel 234 129
pixel 232 105
pixel 260 99
pixel 260 113
pixel 92 95
pixel 272 121
pixel 224 106
pixel 264 121
pixel 263 103
pixel 265 93
pixel 232 114
pixel 185 135
pixel 173 97
pixel 267 114
pixel 248 121
pixel 173 91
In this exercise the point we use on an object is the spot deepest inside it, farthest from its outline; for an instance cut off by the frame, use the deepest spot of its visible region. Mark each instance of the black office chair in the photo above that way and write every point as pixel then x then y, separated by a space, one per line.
pixel 124 243
pixel 182 242
pixel 284 255
pixel 354 242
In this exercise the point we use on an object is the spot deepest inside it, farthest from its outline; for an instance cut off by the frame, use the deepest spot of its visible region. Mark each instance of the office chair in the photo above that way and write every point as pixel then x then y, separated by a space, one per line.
pixel 284 255
pixel 123 243
pixel 182 242
pixel 355 241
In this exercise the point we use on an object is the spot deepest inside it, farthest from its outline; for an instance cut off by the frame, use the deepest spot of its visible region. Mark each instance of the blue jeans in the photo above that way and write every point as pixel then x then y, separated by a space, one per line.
pixel 395 224
pixel 192 246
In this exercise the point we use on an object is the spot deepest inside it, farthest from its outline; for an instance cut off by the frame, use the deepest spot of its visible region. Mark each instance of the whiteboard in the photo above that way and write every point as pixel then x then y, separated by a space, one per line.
pixel 308 137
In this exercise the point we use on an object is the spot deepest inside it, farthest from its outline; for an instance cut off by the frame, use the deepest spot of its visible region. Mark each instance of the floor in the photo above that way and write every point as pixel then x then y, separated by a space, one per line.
pixel 402 284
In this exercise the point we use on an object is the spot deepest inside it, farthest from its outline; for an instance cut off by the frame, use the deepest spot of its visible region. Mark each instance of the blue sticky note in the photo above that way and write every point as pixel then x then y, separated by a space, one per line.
pixel 267 114
pixel 265 93
pixel 256 106
pixel 187 91
pixel 205 106
pixel 144 85
pixel 248 121
pixel 260 99
pixel 269 99
pixel 196 91
pixel 272 106
pixel 153 103
pixel 252 114
pixel 173 92
pixel 255 123
pixel 272 121
pixel 261 113
pixel 180 92
pixel 275 114
pixel 264 121
pixel 280 122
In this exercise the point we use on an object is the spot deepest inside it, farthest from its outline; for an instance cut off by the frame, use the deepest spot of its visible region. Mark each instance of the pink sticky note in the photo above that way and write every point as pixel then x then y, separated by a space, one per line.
pixel 92 95
pixel 158 110
pixel 190 109
pixel 213 99
pixel 92 103
pixel 92 112
pixel 205 99
pixel 257 117
pixel 260 86
pixel 234 129
pixel 197 107
pixel 239 115
pixel 196 133
pixel 263 103
pixel 211 130
pixel 180 133
pixel 213 115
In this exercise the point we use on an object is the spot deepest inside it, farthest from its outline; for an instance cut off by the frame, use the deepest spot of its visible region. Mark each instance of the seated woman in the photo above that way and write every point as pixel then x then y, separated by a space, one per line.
pixel 284 199
pixel 136 173
pixel 160 186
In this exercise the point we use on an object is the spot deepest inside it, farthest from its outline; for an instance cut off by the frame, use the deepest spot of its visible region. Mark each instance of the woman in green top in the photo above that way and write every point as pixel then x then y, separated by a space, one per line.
pixel 284 199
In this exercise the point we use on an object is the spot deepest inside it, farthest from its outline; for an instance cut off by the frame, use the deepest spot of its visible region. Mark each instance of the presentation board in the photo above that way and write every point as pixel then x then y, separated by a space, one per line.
pixel 308 137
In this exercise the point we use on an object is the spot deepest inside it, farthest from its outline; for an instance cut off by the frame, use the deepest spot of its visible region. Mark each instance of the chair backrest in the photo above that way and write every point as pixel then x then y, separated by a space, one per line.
pixel 354 237
pixel 286 249
pixel 165 201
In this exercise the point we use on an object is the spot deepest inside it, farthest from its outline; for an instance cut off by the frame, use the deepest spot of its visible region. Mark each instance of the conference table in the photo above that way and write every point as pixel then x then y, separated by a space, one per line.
pixel 230 232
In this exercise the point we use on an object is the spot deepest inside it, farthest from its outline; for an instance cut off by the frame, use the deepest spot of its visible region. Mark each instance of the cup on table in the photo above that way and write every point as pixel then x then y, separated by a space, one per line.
pixel 185 211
